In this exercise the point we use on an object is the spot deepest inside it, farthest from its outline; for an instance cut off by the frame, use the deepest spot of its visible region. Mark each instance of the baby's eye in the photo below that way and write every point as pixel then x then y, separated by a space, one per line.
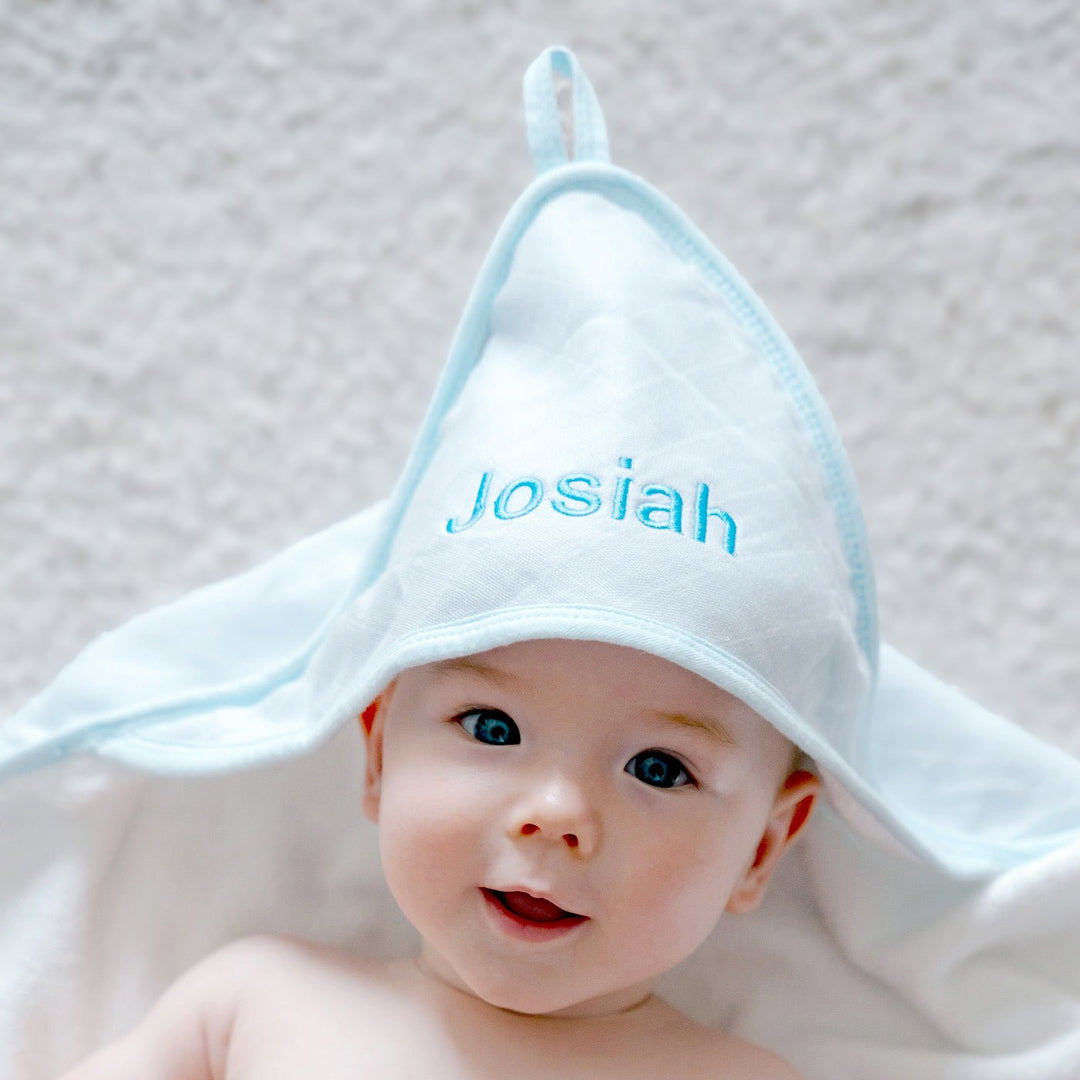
pixel 490 726
pixel 657 769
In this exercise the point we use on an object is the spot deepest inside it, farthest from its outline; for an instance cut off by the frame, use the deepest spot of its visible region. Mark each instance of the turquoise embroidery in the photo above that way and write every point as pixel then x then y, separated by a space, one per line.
pixel 502 503
pixel 704 512
pixel 622 489
pixel 588 503
pixel 579 495
pixel 453 526
pixel 658 515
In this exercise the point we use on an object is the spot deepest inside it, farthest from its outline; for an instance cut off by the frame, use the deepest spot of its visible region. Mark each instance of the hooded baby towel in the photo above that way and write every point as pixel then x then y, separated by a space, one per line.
pixel 624 447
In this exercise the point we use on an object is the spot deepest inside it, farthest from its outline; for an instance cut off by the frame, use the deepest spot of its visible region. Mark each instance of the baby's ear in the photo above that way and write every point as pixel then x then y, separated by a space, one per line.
pixel 789 814
pixel 372 722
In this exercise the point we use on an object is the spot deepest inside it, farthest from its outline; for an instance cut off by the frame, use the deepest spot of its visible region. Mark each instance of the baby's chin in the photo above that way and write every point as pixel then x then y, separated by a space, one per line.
pixel 536 986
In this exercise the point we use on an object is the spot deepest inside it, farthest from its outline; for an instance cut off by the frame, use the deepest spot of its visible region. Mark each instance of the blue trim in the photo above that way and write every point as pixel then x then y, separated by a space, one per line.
pixel 669 222
pixel 634 194
pixel 543 125
pixel 959 857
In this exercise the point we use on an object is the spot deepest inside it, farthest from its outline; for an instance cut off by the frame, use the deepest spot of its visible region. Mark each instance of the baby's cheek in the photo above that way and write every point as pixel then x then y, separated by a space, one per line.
pixel 424 825
pixel 689 884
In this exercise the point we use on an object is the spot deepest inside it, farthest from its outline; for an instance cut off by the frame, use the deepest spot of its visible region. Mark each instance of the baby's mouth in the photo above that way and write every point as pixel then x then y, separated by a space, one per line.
pixel 533 910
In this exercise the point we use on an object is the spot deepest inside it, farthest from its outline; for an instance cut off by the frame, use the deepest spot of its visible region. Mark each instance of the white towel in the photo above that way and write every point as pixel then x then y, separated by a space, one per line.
pixel 862 964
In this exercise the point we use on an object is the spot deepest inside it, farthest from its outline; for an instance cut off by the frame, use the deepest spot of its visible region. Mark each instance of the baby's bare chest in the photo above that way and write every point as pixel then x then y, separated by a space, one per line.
pixel 395 1040
pixel 344 1021
pixel 383 1048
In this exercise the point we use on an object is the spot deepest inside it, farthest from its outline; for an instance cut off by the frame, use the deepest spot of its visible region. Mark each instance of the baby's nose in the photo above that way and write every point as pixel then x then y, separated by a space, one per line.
pixel 530 828
pixel 557 810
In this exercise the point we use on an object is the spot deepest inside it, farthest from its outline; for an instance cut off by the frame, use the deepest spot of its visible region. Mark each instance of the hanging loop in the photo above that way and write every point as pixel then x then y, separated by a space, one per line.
pixel 542 122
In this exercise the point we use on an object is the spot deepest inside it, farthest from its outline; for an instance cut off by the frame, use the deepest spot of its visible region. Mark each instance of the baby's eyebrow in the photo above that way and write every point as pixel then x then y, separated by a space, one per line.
pixel 710 725
pixel 470 666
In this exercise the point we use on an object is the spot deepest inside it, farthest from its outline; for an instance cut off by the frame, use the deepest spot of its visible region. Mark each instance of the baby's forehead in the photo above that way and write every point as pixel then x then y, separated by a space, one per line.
pixel 573 661
pixel 562 670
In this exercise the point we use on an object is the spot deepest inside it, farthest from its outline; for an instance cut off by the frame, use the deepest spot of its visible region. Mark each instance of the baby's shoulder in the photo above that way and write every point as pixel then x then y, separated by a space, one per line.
pixel 190 1031
pixel 706 1052
pixel 212 987
pixel 742 1060
pixel 261 967
pixel 267 956
pixel 270 976
pixel 290 1003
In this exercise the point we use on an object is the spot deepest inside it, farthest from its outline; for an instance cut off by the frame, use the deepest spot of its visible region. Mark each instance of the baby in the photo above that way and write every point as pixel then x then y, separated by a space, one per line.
pixel 562 821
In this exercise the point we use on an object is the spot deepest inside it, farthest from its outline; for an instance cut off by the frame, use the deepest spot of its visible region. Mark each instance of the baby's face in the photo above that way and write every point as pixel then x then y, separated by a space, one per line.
pixel 564 821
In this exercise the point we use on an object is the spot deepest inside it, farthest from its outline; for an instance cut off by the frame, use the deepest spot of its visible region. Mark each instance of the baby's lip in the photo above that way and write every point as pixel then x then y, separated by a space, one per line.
pixel 532 908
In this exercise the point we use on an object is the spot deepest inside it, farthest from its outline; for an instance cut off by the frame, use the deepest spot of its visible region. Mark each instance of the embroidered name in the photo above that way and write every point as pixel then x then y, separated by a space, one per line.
pixel 579 495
